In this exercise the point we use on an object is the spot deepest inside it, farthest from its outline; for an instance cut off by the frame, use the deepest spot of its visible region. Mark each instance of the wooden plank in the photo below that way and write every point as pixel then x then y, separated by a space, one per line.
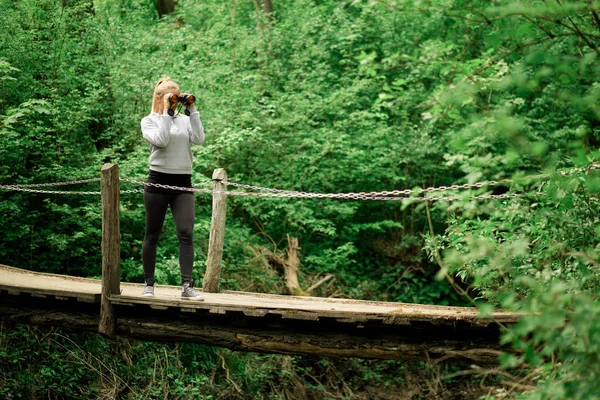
pixel 252 305
pixel 51 292
pixel 16 281
pixel 255 313
pixel 307 316
pixel 353 320
pixel 290 309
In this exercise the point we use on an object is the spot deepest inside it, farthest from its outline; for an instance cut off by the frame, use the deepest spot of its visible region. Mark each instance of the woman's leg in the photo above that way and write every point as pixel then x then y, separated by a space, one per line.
pixel 182 207
pixel 156 207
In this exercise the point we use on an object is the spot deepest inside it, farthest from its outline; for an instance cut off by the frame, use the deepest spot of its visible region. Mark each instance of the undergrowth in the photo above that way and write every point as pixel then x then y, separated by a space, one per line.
pixel 49 363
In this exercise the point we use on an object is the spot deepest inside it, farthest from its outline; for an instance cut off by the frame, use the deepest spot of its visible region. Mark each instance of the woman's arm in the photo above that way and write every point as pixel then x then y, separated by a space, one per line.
pixel 155 133
pixel 195 128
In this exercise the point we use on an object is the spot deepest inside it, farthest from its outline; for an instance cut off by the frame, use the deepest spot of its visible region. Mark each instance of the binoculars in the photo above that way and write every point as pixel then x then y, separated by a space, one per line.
pixel 185 99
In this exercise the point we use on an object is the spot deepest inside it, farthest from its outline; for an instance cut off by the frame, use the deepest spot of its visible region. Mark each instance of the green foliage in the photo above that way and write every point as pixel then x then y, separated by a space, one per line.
pixel 283 108
pixel 328 97
pixel 49 363
pixel 539 256
pixel 33 366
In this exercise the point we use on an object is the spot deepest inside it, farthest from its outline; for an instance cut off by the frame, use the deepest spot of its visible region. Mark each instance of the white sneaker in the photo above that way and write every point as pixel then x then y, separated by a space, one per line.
pixel 187 291
pixel 148 291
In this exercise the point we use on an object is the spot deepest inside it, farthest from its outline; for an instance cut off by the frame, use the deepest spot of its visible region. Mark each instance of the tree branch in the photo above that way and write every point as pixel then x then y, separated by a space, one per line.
pixel 513 51
pixel 596 18
pixel 560 23
pixel 543 28
pixel 485 19
pixel 579 33
pixel 319 283
pixel 584 37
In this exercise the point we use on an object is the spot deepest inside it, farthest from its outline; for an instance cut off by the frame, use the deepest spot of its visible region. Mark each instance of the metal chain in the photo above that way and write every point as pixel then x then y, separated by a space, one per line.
pixel 477 185
pixel 383 193
pixel 23 189
pixel 393 195
pixel 26 187
pixel 158 185
pixel 131 191
pixel 350 196
pixel 30 185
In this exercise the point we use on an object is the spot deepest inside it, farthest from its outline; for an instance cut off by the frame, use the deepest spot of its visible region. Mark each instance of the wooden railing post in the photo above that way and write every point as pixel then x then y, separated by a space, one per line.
pixel 111 247
pixel 212 275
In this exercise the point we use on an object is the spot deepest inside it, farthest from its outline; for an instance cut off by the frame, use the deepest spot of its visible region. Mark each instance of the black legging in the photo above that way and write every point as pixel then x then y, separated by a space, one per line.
pixel 182 207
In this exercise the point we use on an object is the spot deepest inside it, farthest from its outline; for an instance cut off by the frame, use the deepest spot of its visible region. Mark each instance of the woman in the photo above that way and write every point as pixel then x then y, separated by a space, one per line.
pixel 170 136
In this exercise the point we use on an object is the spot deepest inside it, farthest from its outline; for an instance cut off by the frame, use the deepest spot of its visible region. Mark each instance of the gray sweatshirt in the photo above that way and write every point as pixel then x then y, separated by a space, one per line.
pixel 170 140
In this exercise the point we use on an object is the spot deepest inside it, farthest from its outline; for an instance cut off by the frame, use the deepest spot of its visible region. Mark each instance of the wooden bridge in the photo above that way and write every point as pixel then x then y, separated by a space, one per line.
pixel 238 320
pixel 257 322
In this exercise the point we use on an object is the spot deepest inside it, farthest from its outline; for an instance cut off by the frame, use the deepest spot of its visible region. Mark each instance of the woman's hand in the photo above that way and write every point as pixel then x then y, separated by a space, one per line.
pixel 169 102
pixel 189 99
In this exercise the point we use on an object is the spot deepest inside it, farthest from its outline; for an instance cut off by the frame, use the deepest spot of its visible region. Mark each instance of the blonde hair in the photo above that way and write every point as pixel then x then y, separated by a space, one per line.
pixel 161 87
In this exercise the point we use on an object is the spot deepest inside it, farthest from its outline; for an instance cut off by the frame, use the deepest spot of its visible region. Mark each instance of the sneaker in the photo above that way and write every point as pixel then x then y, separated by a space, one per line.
pixel 148 291
pixel 187 291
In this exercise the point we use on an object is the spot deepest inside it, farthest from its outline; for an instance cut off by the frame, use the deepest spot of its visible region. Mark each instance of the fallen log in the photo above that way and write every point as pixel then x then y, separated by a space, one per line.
pixel 240 332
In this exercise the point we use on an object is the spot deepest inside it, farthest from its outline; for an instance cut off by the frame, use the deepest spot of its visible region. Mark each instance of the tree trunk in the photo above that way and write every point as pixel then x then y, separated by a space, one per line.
pixel 165 7
pixel 264 7
pixel 290 268
pixel 268 9
pixel 89 9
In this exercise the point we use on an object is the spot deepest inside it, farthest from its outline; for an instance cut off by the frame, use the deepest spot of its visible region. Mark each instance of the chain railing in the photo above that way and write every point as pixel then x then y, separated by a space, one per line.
pixel 31 187
pixel 397 194
pixel 380 196
pixel 70 183
pixel 259 191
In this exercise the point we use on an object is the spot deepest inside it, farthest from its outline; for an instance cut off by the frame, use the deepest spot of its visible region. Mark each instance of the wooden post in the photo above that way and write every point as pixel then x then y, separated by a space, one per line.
pixel 111 247
pixel 212 276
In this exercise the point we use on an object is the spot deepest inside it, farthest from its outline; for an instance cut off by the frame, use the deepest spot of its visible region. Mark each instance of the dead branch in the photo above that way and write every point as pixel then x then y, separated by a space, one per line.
pixel 289 264
pixel 319 283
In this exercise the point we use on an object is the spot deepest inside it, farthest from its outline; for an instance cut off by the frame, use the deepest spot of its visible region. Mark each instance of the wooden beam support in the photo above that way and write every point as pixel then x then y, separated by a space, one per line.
pixel 111 247
pixel 212 275
pixel 429 343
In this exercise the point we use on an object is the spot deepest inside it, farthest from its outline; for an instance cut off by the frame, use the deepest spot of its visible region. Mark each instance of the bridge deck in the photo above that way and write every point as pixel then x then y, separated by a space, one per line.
pixel 16 281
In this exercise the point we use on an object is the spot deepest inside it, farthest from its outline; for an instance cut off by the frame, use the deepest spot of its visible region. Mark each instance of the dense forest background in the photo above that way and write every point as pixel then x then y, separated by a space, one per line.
pixel 322 96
